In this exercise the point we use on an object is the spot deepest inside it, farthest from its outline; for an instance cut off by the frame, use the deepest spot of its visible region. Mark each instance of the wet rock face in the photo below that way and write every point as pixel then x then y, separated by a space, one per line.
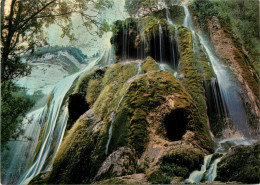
pixel 230 49
pixel 120 162
pixel 148 36
pixel 153 116
pixel 241 164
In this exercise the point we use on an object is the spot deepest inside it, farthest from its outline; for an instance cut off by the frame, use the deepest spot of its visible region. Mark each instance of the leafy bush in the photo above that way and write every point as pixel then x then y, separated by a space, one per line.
pixel 14 105
pixel 241 15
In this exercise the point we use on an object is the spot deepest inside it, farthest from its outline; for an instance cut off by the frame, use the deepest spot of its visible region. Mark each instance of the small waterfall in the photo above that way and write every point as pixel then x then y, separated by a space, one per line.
pixel 141 51
pixel 187 22
pixel 161 43
pixel 212 172
pixel 129 81
pixel 229 93
pixel 109 56
pixel 196 176
pixel 174 45
pixel 228 90
pixel 54 119
pixel 125 43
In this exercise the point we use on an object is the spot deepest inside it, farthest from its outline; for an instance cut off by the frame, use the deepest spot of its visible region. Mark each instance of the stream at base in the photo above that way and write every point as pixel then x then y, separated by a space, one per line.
pixel 208 171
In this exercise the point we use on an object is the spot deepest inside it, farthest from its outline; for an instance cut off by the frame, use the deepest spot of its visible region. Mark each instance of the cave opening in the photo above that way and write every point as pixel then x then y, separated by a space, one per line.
pixel 77 106
pixel 176 124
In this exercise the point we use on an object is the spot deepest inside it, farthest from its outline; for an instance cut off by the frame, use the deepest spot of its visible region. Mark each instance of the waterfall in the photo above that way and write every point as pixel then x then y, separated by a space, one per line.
pixel 228 89
pixel 212 172
pixel 109 56
pixel 53 121
pixel 174 44
pixel 229 93
pixel 225 93
pixel 141 52
pixel 129 81
pixel 187 22
pixel 161 42
pixel 125 42
pixel 196 176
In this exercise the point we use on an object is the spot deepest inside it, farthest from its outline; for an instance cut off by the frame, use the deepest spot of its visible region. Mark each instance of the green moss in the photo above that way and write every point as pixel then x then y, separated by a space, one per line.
pixel 119 73
pixel 241 164
pixel 149 65
pixel 93 90
pixel 79 159
pixel 178 163
pixel 177 14
pixel 158 177
pixel 193 78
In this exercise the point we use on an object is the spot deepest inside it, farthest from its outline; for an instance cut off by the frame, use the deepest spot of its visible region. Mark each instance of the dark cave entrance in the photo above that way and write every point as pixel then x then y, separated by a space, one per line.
pixel 176 124
pixel 77 106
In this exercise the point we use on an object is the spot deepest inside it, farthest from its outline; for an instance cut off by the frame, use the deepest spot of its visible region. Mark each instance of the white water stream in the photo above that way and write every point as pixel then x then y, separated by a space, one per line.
pixel 229 90
pixel 128 82
pixel 56 116
pixel 174 46
pixel 196 176
pixel 230 98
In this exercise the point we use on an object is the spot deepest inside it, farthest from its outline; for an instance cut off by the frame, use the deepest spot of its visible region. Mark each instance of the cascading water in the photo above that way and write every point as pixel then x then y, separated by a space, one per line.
pixel 229 93
pixel 118 105
pixel 141 51
pixel 196 176
pixel 227 102
pixel 210 172
pixel 161 43
pixel 53 121
pixel 228 89
pixel 174 44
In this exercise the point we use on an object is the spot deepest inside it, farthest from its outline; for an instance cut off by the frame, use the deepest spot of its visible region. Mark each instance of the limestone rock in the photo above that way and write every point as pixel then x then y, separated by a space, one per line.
pixel 120 162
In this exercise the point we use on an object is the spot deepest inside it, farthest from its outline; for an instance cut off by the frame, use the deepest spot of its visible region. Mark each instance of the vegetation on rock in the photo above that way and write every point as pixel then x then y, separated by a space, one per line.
pixel 240 164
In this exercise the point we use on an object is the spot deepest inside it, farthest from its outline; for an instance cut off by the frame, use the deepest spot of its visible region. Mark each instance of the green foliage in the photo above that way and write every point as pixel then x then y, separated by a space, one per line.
pixel 241 15
pixel 241 164
pixel 14 105
pixel 177 163
pixel 149 65
pixel 192 81
pixel 23 22
pixel 134 6
pixel 177 14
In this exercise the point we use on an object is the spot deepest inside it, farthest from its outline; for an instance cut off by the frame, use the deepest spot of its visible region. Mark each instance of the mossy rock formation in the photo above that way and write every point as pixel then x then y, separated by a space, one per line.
pixel 149 104
pixel 138 38
pixel 241 164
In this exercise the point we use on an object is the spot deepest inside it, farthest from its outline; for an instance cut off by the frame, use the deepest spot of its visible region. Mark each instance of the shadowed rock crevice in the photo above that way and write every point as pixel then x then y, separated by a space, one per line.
pixel 77 106
pixel 175 124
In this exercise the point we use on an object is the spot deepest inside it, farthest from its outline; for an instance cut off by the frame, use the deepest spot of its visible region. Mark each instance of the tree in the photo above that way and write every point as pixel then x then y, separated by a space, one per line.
pixel 22 23
pixel 146 6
